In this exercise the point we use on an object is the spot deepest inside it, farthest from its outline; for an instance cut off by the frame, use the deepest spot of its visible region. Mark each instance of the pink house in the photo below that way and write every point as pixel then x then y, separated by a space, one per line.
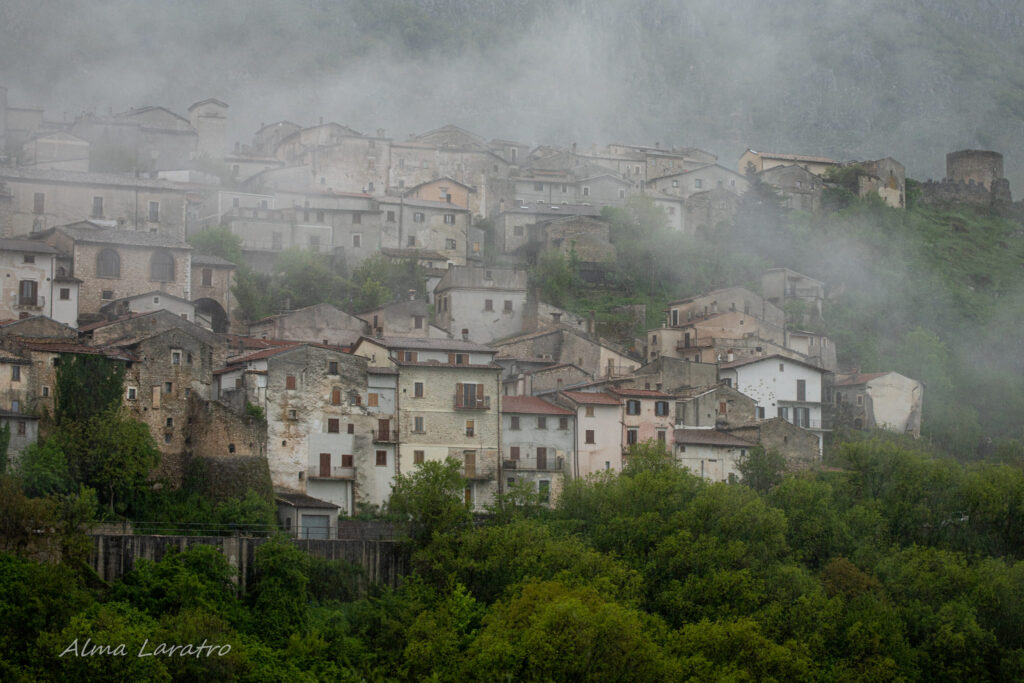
pixel 646 414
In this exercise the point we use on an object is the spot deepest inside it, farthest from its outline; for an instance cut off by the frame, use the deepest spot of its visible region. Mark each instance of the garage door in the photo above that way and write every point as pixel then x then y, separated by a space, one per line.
pixel 316 526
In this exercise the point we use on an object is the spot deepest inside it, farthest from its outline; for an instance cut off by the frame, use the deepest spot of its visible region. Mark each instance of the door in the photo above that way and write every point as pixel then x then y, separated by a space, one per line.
pixel 383 429
pixel 470 462
pixel 316 526
pixel 542 458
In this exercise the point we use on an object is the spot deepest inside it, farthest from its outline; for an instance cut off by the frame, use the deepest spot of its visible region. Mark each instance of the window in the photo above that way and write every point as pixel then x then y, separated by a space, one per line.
pixel 168 387
pixel 469 427
pixel 391 217
pixel 314 242
pixel 167 438
pixel 27 292
pixel 451 244
pixel 335 397
pixel 518 230
pixel 760 412
pixel 46 392
pixel 357 240
pixel 161 266
pixel 21 429
pixel 417 425
pixel 417 322
pixel 372 400
pixel 108 264
pixel 28 258
pixel 622 194
pixel 411 242
pixel 860 399
pixel 722 407
pixel 632 407
pixel 417 390
pixel 782 367
pixel 350 428
pixel 333 425
pixel 15 373
pixel 801 390
pixel 661 435
pixel 418 217
pixel 542 458
pixel 586 191
pixel 38 202
pixel 15 406
pixel 289 382
pixel 97 207
pixel 589 411
pixel 589 436
pixel 382 458
pixel 132 393
pixel 154 212
pixel 513 453
pixel 563 423
pixel 698 183
pixel 542 422
pixel 538 187
pixel 514 423
pixel 508 305
pixel 332 367
pixel 631 436
pixel 488 304
pixel 175 357
pixel 409 356
pixel 319 216
pixel 417 457
pixel 661 408
pixel 459 358
pixel 784 413
pixel 727 381
pixel 169 422
pixel 449 219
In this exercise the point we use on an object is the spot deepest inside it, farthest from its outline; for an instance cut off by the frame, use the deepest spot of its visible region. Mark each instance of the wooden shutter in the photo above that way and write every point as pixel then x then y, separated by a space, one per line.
pixel 336 397
pixel 325 464
pixel 479 394
pixel 451 358
pixel 458 395
pixel 289 382
pixel 346 461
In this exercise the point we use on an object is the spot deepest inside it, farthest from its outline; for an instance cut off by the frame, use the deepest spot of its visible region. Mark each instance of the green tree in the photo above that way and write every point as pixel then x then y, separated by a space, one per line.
pixel 762 469
pixel 43 468
pixel 432 497
pixel 279 599
pixel 5 441
pixel 110 452
pixel 220 242
pixel 87 385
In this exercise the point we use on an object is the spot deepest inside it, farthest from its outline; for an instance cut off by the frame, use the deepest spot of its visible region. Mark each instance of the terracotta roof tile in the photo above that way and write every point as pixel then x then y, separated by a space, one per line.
pixel 531 405
pixel 587 397
pixel 710 437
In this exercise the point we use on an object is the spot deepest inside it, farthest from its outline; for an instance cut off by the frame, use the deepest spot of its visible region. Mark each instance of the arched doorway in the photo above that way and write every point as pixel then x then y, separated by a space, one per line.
pixel 212 310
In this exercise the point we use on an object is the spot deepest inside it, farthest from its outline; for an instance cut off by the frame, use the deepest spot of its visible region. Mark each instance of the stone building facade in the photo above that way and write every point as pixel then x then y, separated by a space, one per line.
pixel 538 445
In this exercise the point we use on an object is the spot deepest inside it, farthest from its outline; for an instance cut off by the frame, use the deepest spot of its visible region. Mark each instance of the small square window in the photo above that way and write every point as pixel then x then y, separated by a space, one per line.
pixel 168 387
pixel 293 414
pixel 107 294
pixel 65 293
pixel 169 422
pixel 588 411
pixel 333 424
pixel 46 392
pixel 289 382
pixel 132 393
pixel 514 423
pixel 542 422
pixel 382 458
pixel 351 428
pixel 417 457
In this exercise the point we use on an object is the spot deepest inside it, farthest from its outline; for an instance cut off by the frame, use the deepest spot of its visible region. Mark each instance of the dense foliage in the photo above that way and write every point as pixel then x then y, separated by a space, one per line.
pixel 896 565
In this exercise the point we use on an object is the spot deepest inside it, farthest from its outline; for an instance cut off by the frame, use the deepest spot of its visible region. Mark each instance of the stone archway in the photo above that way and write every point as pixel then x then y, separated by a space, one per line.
pixel 211 308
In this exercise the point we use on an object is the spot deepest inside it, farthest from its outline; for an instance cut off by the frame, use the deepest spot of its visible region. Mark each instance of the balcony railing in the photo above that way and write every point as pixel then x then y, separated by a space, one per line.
pixel 479 403
pixel 481 470
pixel 385 436
pixel 30 301
pixel 332 473
pixel 546 464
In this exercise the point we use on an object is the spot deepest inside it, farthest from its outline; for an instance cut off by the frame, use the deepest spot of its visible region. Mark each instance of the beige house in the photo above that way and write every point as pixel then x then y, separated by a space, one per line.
pixel 430 226
pixel 44 198
pixel 879 400
pixel 113 264
pixel 34 282
pixel 212 280
pixel 689 182
pixel 320 323
pixel 56 150
pixel 762 161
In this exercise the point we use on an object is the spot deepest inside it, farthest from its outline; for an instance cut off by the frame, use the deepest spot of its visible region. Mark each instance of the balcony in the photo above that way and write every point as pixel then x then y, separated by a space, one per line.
pixel 30 302
pixel 481 403
pixel 385 436
pixel 480 471
pixel 348 473
pixel 545 464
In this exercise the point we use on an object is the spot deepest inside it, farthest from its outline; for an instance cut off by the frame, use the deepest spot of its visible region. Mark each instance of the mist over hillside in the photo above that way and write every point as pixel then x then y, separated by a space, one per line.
pixel 843 79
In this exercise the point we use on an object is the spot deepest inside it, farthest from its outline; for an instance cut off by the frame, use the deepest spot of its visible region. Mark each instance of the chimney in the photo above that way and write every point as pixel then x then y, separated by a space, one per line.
pixel 591 322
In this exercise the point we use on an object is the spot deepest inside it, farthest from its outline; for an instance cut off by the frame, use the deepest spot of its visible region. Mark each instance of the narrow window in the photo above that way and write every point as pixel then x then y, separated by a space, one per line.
pixel 631 436
pixel 332 367
pixel 15 373
pixel 207 277
pixel 38 202
pixel 563 423
pixel 418 425
pixel 469 427
pixel 289 382
pixel 357 240
pixel 21 429
pixel 97 207
pixel 514 423
pixel 350 428
pixel 417 390
pixel 335 397
pixel 508 305
pixel 382 458
pixel 488 304
pixel 514 453
pixel 542 422
pixel 154 212
pixel 590 436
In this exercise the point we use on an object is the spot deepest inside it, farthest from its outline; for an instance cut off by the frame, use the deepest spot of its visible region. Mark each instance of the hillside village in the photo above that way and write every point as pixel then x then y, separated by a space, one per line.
pixel 96 215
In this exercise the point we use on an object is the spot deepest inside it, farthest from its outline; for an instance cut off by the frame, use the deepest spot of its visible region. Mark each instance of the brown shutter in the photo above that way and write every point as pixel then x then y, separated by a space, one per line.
pixel 458 395
pixel 479 394
pixel 451 358
pixel 336 397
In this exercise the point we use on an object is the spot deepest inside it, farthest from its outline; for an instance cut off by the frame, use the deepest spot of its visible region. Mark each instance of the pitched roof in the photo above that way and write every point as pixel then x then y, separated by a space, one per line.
pixel 639 393
pixel 429 344
pixel 794 157
pixel 758 359
pixel 33 246
pixel 88 232
pixel 479 277
pixel 710 437
pixel 531 405
pixel 207 260
pixel 88 178
pixel 301 500
pixel 593 398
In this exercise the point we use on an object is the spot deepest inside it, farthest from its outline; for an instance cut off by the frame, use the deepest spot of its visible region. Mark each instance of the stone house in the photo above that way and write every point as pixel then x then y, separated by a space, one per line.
pixel 670 374
pixel 146 138
pixel 647 415
pixel 34 282
pixel 599 431
pixel 715 338
pixel 481 304
pixel 448 402
pixel 211 283
pixel 705 212
pixel 134 327
pixel 879 400
pixel 711 454
pixel 15 401
pixel 333 156
pixel 729 299
pixel 444 189
pixel 437 227
pixel 113 264
pixel 783 387
pixel 515 223
pixel 538 444
pixel 816 347
pixel 306 517
pixel 530 378
pixel 168 371
pixel 319 432
pixel 717 406
pixel 797 445
pixel 581 237
pixel 886 178
pixel 209 119
pixel 798 188
pixel 55 150
pixel 409 318
pixel 320 323
pixel 373 486
pixel 780 286
pixel 595 356
pixel 686 183
pixel 762 161
pixel 674 208
pixel 44 198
